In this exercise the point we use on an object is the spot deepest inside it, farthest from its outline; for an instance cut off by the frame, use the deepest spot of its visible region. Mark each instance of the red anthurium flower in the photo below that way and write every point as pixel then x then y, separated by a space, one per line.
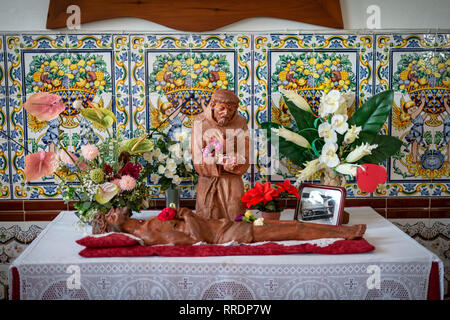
pixel 287 187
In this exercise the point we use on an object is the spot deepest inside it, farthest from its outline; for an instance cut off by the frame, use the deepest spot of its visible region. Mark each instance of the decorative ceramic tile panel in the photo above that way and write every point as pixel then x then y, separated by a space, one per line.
pixel 417 67
pixel 76 67
pixel 142 77
pixel 5 174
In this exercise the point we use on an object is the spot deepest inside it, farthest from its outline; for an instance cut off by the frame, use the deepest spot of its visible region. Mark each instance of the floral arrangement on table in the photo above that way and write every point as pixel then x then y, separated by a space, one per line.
pixel 208 71
pixel 97 176
pixel 325 71
pixel 269 198
pixel 170 161
pixel 333 143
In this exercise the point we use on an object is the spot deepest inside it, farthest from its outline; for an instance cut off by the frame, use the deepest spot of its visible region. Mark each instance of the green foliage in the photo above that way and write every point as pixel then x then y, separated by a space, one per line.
pixel 373 114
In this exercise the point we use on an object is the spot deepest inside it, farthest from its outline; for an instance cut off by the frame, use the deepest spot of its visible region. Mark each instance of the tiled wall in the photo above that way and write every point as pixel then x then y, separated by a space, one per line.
pixel 130 70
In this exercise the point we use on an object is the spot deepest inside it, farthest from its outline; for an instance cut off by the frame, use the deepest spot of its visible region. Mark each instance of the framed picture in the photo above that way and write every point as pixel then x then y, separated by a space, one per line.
pixel 320 204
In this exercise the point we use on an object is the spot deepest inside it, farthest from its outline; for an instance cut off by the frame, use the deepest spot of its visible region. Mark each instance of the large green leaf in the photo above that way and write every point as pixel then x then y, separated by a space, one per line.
pixel 387 147
pixel 373 114
pixel 304 120
pixel 288 149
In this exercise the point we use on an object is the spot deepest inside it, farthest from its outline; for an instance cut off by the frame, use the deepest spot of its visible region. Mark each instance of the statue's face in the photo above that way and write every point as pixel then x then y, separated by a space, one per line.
pixel 223 113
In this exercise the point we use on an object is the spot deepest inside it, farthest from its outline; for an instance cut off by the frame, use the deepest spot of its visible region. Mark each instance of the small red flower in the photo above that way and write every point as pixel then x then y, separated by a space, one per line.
pixel 167 214
pixel 131 169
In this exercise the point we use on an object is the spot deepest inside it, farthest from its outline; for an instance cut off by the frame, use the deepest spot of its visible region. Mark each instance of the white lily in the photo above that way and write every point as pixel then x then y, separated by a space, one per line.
pixel 297 99
pixel 349 97
pixel 330 102
pixel 339 123
pixel 360 151
pixel 329 156
pixel 327 132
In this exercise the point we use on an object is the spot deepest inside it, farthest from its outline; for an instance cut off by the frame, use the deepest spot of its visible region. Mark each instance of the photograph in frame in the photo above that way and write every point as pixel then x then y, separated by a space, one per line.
pixel 320 204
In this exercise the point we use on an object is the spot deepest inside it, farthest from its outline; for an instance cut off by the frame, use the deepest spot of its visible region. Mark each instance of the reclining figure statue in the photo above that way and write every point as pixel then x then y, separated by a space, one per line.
pixel 187 228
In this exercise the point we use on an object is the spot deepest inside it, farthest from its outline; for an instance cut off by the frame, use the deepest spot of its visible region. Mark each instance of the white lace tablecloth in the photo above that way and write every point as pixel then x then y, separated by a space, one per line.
pixel 49 267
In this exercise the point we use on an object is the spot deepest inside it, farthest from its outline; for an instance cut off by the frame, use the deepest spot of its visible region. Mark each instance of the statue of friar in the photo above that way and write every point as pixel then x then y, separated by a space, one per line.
pixel 220 153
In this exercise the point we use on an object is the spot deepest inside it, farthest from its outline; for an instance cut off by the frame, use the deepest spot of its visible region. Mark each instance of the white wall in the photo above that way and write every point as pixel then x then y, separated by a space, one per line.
pixel 31 15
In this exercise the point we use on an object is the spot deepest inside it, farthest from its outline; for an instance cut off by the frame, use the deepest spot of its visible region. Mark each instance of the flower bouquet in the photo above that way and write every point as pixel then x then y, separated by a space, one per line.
pixel 337 142
pixel 170 161
pixel 97 177
pixel 268 198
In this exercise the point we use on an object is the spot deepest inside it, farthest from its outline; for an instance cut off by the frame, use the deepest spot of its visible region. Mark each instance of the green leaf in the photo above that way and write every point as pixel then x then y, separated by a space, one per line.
pixel 373 114
pixel 288 149
pixel 387 147
pixel 303 120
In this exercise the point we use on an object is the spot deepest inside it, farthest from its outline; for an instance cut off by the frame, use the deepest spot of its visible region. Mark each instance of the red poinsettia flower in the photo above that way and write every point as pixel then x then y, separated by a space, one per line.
pixel 287 187
pixel 259 193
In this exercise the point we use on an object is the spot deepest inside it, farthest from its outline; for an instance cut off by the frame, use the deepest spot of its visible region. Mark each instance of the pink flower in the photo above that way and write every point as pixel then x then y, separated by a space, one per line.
pixel 66 159
pixel 117 183
pixel 40 164
pixel 127 183
pixel 44 106
pixel 89 151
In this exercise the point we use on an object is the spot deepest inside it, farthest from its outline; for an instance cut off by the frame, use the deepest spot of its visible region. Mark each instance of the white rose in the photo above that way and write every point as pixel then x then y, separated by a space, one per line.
pixel 329 156
pixel 339 123
pixel 154 178
pixel 176 180
pixel 360 151
pixel 180 135
pixel 352 134
pixel 161 169
pixel 293 137
pixel 329 103
pixel 148 156
pixel 174 148
pixel 169 174
pixel 297 99
pixel 156 153
pixel 162 157
pixel 326 131
pixel 171 165
pixel 347 168
pixel 258 222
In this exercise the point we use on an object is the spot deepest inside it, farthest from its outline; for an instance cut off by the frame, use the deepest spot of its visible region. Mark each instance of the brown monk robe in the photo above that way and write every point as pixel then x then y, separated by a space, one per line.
pixel 220 186
pixel 188 228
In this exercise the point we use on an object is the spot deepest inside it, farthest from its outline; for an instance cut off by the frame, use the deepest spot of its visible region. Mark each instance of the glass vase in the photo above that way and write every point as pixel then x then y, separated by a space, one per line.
pixel 172 196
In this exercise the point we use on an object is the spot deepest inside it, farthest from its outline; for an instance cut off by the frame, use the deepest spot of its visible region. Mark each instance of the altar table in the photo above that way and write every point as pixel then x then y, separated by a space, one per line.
pixel 398 268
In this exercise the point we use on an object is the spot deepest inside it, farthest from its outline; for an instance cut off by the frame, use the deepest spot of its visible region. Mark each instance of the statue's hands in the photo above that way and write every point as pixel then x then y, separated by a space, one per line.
pixel 231 161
